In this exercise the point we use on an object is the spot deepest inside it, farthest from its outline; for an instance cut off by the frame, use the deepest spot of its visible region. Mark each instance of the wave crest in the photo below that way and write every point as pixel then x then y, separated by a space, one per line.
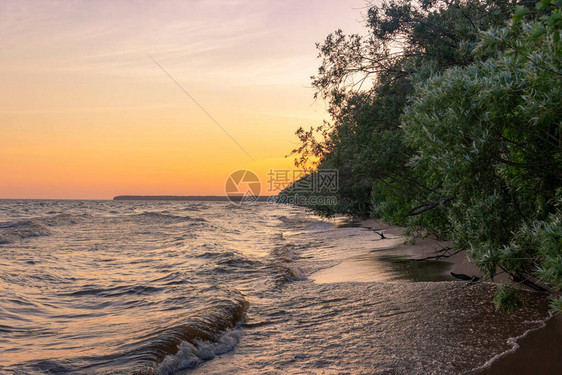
pixel 12 231
pixel 203 335
pixel 190 355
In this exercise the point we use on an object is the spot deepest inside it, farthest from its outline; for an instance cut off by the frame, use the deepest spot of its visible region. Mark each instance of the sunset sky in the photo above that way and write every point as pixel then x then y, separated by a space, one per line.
pixel 85 113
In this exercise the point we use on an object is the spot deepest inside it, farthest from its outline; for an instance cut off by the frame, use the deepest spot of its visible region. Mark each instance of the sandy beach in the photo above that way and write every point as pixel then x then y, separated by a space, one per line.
pixel 396 257
pixel 391 258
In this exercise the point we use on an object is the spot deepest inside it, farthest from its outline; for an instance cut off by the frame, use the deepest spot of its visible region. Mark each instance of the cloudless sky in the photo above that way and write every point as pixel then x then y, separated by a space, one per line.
pixel 85 113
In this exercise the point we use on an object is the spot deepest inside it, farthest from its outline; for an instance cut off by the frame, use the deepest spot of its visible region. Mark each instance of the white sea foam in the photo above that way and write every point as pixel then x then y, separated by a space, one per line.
pixel 513 341
pixel 190 355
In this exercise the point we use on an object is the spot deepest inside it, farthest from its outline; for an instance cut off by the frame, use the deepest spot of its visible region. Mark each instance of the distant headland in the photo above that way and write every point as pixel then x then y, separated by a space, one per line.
pixel 214 198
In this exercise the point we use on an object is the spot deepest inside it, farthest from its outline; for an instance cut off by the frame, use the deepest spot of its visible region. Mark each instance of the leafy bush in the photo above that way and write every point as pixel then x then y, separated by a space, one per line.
pixel 507 299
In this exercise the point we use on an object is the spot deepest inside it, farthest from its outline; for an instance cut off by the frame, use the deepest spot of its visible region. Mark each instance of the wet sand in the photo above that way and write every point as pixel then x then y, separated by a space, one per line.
pixel 458 262
pixel 395 258
pixel 539 352
pixel 390 258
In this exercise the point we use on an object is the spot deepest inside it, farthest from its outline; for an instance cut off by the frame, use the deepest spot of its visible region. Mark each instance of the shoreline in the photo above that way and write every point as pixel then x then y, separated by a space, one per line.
pixel 537 351
pixel 426 247
pixel 390 258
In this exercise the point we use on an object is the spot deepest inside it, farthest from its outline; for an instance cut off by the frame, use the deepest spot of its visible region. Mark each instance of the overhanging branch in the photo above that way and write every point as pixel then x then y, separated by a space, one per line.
pixel 426 207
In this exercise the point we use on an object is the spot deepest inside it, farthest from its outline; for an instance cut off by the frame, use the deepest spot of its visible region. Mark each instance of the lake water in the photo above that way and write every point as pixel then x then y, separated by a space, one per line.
pixel 138 287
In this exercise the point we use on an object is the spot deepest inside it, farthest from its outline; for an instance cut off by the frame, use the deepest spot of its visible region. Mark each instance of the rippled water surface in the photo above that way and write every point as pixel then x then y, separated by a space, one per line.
pixel 210 287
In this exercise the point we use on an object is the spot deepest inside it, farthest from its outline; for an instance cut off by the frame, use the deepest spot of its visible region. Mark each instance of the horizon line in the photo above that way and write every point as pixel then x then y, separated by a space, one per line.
pixel 124 195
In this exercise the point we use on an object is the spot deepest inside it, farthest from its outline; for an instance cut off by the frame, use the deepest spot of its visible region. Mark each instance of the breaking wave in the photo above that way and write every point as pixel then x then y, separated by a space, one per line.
pixel 203 335
pixel 190 355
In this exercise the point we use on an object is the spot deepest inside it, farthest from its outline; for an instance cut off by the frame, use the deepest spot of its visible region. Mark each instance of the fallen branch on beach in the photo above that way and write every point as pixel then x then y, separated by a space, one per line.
pixel 379 232
pixel 445 253
pixel 462 276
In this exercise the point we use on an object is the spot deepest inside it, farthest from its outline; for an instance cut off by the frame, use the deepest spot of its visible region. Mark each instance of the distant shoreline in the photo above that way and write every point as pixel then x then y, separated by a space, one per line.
pixel 212 198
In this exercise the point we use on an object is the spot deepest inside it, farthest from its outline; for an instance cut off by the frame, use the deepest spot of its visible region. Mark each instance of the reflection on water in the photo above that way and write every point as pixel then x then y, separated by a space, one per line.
pixel 403 268
pixel 369 258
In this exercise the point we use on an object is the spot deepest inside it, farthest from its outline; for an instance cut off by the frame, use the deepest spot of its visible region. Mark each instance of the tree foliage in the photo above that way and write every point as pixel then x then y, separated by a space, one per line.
pixel 489 136
pixel 447 118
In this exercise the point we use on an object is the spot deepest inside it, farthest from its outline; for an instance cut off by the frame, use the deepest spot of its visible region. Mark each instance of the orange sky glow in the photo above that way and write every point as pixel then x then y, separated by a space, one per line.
pixel 86 114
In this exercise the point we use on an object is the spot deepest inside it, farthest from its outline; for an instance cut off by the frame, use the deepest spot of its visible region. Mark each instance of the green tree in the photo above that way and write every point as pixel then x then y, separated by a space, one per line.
pixel 446 117
pixel 367 80
pixel 489 137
